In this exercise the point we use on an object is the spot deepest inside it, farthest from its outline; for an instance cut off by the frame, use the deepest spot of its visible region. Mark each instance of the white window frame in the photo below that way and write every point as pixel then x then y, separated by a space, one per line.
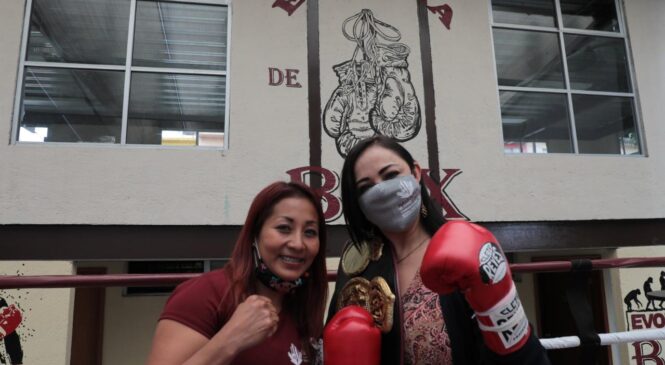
pixel 560 31
pixel 128 69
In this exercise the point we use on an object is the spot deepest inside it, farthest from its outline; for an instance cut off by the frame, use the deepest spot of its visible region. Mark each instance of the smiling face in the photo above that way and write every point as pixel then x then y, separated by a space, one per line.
pixel 377 164
pixel 289 238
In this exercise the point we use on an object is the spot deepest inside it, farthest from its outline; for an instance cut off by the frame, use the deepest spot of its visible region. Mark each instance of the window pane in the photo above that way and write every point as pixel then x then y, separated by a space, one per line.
pixel 528 59
pixel 79 31
pixel 597 63
pixel 590 14
pixel 168 109
pixel 535 122
pixel 180 35
pixel 534 12
pixel 605 124
pixel 73 105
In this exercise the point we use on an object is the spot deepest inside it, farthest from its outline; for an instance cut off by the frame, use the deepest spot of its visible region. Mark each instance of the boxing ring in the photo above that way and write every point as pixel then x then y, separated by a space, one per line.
pixel 586 338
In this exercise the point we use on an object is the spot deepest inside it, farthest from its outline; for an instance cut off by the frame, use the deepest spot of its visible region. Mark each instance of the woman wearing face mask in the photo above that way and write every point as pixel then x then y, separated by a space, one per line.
pixel 266 305
pixel 391 220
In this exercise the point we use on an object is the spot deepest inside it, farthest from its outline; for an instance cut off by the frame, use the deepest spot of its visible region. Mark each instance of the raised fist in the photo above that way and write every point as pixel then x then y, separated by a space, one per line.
pixel 10 318
pixel 467 257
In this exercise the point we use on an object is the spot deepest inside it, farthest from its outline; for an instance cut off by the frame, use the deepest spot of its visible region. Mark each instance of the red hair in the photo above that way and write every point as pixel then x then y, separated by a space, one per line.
pixel 307 304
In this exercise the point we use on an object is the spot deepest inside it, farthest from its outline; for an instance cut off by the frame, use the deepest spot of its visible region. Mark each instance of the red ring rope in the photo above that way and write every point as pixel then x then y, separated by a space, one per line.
pixel 78 281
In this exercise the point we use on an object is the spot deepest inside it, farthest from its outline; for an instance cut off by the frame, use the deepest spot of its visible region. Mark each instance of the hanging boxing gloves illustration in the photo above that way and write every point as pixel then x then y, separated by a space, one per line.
pixel 375 94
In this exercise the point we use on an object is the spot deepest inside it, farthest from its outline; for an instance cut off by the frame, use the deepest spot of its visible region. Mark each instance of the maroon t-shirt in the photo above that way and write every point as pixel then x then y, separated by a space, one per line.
pixel 197 304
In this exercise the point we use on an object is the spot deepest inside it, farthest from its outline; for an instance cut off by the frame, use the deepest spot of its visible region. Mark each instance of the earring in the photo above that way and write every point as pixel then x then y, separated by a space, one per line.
pixel 423 211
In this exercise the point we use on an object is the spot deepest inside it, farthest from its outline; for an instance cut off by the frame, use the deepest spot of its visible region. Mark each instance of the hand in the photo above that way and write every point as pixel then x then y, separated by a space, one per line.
pixel 252 322
pixel 466 257
pixel 351 338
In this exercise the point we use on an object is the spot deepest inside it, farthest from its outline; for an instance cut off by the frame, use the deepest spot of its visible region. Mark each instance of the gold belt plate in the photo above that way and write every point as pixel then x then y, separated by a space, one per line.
pixel 375 296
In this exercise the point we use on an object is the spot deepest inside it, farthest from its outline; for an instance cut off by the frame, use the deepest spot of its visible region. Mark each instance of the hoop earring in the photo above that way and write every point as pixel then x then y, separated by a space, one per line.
pixel 423 211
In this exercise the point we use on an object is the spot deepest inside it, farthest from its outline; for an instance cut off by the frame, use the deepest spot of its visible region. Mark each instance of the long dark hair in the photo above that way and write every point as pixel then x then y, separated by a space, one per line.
pixel 359 227
pixel 307 304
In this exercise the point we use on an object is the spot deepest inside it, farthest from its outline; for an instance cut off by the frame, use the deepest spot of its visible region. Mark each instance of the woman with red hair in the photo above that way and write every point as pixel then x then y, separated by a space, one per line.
pixel 266 305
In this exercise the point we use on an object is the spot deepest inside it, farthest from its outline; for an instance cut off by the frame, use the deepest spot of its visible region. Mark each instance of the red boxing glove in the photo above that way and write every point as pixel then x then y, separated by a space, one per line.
pixel 351 338
pixel 466 257
pixel 10 318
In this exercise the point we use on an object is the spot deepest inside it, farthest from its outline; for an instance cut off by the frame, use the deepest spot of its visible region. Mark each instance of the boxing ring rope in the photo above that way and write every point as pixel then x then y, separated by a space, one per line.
pixel 114 280
pixel 111 280
pixel 605 338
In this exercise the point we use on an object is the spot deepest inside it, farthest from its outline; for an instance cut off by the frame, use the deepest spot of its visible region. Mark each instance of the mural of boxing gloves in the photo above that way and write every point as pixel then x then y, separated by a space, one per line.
pixel 375 94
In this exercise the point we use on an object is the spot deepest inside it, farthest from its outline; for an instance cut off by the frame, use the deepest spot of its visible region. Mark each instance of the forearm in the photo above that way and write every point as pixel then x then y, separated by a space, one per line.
pixel 220 350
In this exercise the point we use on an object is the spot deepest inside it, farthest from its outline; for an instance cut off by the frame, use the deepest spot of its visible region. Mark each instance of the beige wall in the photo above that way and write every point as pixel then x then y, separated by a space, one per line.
pixel 45 331
pixel 129 321
pixel 269 133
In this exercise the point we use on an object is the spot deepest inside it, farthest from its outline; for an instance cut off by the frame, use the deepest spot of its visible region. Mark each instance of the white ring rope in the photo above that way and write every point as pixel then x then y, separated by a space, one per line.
pixel 605 338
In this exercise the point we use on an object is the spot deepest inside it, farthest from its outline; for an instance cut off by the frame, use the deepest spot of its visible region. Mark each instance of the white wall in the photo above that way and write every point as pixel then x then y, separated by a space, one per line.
pixel 129 321
pixel 269 135
pixel 495 186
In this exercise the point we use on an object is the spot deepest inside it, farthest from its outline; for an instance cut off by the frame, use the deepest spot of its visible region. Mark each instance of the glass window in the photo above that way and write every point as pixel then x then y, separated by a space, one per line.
pixel 583 103
pixel 180 35
pixel 535 122
pixel 79 31
pixel 99 71
pixel 605 124
pixel 72 105
pixel 594 15
pixel 169 109
pixel 533 12
pixel 527 58
pixel 597 63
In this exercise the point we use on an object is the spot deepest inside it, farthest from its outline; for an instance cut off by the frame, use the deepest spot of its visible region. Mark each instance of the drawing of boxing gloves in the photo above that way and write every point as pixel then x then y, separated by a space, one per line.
pixel 397 112
pixel 346 116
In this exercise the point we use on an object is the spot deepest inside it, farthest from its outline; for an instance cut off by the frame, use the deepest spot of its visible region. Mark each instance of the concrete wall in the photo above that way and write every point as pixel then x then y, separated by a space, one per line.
pixel 269 132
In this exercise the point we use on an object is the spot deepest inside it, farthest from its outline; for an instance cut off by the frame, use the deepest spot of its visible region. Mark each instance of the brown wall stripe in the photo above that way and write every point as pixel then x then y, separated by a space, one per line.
pixel 115 242
pixel 428 85
pixel 314 89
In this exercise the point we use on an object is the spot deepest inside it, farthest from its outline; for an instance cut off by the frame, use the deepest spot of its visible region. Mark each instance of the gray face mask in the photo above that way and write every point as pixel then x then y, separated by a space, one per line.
pixel 392 205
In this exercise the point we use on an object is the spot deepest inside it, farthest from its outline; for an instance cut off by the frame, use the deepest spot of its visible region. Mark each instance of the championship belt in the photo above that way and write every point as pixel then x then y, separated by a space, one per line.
pixel 356 257
pixel 375 296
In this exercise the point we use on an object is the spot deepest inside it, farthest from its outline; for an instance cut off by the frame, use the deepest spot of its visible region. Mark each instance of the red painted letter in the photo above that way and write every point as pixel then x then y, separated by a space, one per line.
pixel 289 5
pixel 635 322
pixel 272 72
pixel 332 207
pixel 652 358
pixel 445 13
pixel 291 78
pixel 438 192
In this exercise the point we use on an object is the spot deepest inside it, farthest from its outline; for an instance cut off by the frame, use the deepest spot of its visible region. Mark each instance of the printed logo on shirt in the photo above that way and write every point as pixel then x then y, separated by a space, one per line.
pixel 295 355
